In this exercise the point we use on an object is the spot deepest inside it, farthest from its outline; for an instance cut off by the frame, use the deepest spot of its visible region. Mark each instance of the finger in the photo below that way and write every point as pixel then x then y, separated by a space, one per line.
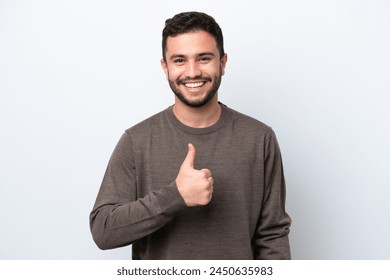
pixel 190 157
pixel 211 182
pixel 206 172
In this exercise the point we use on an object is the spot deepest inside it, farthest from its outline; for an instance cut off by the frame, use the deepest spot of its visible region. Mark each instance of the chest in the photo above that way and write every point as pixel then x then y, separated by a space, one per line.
pixel 236 163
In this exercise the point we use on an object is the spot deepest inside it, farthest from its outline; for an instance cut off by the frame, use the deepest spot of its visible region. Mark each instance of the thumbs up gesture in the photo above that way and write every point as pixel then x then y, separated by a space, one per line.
pixel 195 186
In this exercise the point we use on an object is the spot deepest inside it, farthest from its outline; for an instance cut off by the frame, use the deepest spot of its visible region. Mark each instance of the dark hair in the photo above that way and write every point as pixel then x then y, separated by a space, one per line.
pixel 192 21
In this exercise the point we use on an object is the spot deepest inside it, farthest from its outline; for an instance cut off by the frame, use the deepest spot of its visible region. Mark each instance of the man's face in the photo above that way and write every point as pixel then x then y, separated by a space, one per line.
pixel 193 67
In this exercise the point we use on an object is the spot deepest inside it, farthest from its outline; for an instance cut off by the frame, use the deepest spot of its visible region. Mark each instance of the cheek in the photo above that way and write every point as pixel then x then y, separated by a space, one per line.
pixel 173 74
pixel 214 70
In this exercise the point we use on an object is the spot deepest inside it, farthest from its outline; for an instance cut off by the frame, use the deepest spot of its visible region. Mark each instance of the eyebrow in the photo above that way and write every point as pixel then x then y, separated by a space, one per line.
pixel 197 55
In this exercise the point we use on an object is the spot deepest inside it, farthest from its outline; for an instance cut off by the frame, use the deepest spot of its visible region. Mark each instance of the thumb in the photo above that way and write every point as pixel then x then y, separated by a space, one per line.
pixel 190 158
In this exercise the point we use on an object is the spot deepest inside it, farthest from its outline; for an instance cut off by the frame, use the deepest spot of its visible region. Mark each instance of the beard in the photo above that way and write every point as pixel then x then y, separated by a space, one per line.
pixel 216 82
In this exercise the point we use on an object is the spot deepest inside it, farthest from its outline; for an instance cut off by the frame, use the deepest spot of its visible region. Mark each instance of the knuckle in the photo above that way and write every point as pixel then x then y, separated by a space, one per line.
pixel 206 173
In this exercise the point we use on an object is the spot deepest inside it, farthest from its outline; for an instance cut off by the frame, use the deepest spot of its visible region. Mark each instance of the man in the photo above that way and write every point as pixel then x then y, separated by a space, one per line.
pixel 197 180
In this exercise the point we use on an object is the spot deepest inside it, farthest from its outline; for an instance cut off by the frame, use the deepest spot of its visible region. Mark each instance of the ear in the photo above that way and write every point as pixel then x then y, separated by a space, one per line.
pixel 164 67
pixel 223 63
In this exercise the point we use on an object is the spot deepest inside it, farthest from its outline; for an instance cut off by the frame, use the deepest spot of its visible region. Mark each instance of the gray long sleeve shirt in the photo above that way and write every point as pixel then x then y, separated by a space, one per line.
pixel 139 203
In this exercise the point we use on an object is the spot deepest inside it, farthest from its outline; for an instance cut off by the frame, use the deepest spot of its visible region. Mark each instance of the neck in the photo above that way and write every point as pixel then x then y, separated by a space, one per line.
pixel 198 117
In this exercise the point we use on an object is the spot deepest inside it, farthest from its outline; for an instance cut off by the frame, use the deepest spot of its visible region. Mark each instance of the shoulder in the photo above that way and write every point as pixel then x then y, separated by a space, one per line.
pixel 146 126
pixel 252 131
pixel 248 124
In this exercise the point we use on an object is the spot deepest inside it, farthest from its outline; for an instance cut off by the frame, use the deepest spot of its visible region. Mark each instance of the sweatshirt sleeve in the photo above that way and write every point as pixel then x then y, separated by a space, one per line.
pixel 271 237
pixel 119 217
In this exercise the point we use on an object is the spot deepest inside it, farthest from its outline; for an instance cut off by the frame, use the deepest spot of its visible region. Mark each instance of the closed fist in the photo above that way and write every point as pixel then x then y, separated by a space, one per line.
pixel 195 186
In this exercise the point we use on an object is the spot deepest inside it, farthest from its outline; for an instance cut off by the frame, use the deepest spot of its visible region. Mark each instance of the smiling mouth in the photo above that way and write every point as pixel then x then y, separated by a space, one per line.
pixel 194 85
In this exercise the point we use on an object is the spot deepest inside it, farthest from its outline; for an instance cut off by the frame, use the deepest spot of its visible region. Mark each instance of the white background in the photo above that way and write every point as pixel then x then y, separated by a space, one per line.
pixel 75 74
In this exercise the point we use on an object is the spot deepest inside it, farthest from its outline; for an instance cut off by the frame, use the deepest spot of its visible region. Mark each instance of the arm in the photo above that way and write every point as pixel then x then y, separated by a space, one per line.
pixel 119 217
pixel 271 237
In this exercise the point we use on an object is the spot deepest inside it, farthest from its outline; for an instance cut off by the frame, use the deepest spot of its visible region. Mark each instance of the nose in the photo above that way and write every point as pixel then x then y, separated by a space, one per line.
pixel 193 70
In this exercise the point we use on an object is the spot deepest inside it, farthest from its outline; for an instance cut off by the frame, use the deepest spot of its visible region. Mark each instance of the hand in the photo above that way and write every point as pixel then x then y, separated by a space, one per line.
pixel 195 186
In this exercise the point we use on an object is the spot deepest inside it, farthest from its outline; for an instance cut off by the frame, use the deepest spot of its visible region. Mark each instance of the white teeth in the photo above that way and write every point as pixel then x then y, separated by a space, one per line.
pixel 194 85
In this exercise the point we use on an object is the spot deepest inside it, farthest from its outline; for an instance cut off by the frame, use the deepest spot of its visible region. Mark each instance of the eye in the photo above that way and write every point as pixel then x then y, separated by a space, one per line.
pixel 204 58
pixel 178 61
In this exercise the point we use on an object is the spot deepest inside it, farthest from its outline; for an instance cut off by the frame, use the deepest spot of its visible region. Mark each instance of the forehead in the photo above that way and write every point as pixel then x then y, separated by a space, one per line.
pixel 190 43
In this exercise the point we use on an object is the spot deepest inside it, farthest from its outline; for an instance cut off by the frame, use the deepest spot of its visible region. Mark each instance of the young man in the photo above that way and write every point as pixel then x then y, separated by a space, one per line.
pixel 197 180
